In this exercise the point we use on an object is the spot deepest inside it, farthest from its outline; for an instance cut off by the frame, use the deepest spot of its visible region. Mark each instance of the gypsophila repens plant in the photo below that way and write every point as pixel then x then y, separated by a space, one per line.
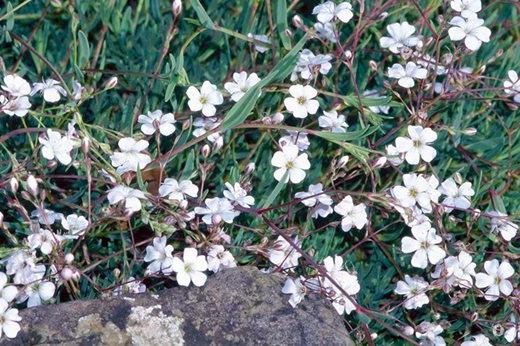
pixel 367 150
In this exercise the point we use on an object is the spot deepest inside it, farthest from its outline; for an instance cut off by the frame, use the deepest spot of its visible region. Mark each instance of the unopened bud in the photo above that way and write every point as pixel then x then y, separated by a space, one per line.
pixel 408 330
pixel 186 125
pixel 67 274
pixel 373 65
pixel 69 258
pixel 383 15
pixel 218 144
pixel 348 54
pixel 250 168
pixel 297 21
pixel 176 7
pixel 52 164
pixel 1 220
pixel 13 185
pixel 482 69
pixel 183 204
pixel 380 162
pixel 32 185
pixel 343 161
pixel 458 178
pixel 216 219
pixel 277 118
pixel 470 131
pixel 205 151
pixel 85 145
pixel 288 33
pixel 111 83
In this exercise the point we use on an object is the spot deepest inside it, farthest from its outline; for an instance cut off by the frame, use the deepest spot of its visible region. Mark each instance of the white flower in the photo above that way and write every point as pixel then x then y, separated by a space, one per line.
pixel 288 161
pixel 302 102
pixel 309 65
pixel 328 11
pixel 19 106
pixel 43 239
pixel 204 125
pixel 219 258
pixel 314 197
pixel 283 254
pixel 512 85
pixel 47 216
pixel 75 224
pixel 300 139
pixel 479 339
pixel 217 210
pixel 262 42
pixel 77 90
pixel 467 8
pixel 127 194
pixel 456 196
pixel 296 289
pixel 51 90
pixel 235 193
pixel 455 271
pixel 513 332
pixel 7 292
pixel 347 282
pixel 241 84
pixel 353 215
pixel 9 319
pixel 204 100
pixel 471 30
pixel 375 95
pixel 423 245
pixel 401 35
pixel 191 268
pixel 153 121
pixel 131 286
pixel 416 145
pixel 22 265
pixel 333 121
pixel 38 292
pixel 495 279
pixel 407 74
pixel 16 86
pixel 501 223
pixel 429 334
pixel 414 289
pixel 325 31
pixel 130 158
pixel 54 146
pixel 178 190
pixel 160 255
pixel 393 155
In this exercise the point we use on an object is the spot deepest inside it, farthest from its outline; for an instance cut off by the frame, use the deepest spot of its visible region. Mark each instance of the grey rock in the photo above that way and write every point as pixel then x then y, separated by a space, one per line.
pixel 239 306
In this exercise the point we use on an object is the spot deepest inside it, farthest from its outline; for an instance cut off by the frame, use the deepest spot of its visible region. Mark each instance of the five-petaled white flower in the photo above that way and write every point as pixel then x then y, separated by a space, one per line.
pixel 75 224
pixel 477 340
pixel 417 189
pixel 283 254
pixel 401 35
pixel 416 145
pixel 333 121
pixel 37 293
pixel 374 94
pixel 423 245
pixel 353 215
pixel 429 334
pixel 495 279
pixel 414 288
pixel 316 198
pixel 471 30
pixel 328 11
pixel 289 161
pixel 467 8
pixel 130 158
pixel 217 210
pixel 130 196
pixel 347 282
pixel 16 86
pixel 204 100
pixel 512 332
pixel 7 292
pixel 406 75
pixel 310 64
pixel 9 319
pixel 43 239
pixel 219 258
pixel 160 255
pixel 512 85
pixel 500 223
pixel 456 196
pixel 56 146
pixel 156 120
pixel 236 194
pixel 296 289
pixel 178 190
pixel 241 84
pixel 191 268
pixel 51 90
pixel 302 102
pixel 19 106
pixel 300 139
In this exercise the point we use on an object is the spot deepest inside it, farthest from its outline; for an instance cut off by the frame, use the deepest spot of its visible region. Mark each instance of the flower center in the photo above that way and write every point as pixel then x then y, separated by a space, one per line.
pixel 424 245
pixel 289 165
pixel 413 193
pixel 416 143
pixel 187 268
pixel 203 100
pixel 301 100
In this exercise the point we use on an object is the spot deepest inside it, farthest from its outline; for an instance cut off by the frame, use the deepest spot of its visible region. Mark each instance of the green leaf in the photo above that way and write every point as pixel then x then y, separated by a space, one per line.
pixel 346 136
pixel 281 23
pixel 278 188
pixel 205 20
pixel 84 49
pixel 240 111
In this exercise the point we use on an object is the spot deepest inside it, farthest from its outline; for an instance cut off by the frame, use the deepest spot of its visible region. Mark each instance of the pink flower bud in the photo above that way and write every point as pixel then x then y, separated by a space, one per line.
pixel 176 7
pixel 13 185
pixel 32 185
